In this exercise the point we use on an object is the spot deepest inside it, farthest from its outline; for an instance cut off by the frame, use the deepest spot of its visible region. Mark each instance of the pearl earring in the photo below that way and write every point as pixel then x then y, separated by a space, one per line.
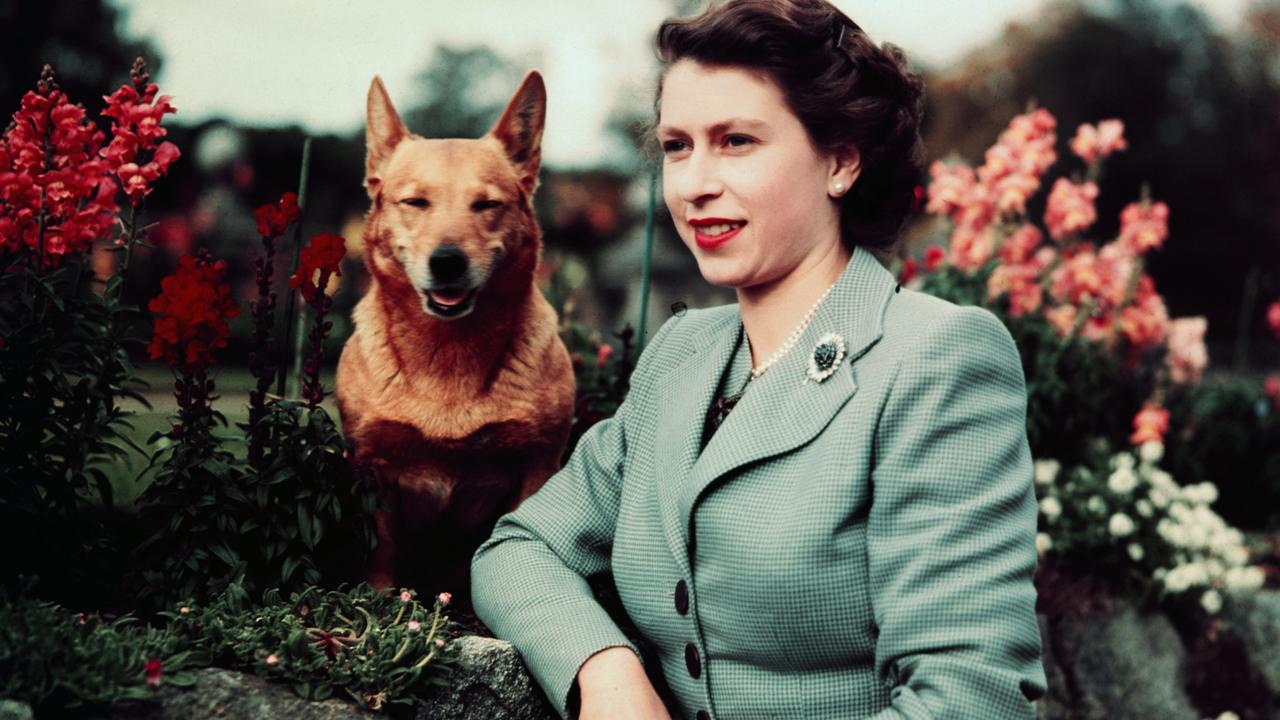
pixel 839 187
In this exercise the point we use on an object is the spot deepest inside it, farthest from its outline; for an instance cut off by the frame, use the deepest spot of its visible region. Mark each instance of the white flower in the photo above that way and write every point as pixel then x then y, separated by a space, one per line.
pixel 1211 601
pixel 1135 551
pixel 1044 543
pixel 1144 508
pixel 1226 715
pixel 1205 493
pixel 1244 578
pixel 1122 481
pixel 1096 505
pixel 1151 451
pixel 1173 533
pixel 1047 471
pixel 1121 525
pixel 1235 555
pixel 1121 461
pixel 1163 480
pixel 1051 508
pixel 1159 498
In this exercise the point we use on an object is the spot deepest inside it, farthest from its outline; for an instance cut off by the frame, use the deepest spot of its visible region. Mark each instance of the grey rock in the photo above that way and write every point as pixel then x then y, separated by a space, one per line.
pixel 1255 619
pixel 14 710
pixel 1055 705
pixel 231 695
pixel 489 682
pixel 1125 665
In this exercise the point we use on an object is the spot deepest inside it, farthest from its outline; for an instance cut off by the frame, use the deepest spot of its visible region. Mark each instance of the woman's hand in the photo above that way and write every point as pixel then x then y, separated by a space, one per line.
pixel 612 685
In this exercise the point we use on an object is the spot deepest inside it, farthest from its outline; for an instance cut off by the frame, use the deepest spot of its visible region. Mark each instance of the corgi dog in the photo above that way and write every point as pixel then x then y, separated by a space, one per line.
pixel 455 388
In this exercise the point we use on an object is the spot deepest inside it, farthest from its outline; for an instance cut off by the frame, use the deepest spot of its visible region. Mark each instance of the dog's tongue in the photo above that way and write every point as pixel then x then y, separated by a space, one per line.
pixel 448 297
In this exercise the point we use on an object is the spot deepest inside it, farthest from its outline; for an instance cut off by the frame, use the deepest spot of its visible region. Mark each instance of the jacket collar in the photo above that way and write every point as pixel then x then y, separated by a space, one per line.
pixel 778 412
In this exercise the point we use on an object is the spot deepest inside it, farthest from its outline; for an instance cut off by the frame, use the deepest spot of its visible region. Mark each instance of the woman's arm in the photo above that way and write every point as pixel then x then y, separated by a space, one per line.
pixel 951 535
pixel 528 580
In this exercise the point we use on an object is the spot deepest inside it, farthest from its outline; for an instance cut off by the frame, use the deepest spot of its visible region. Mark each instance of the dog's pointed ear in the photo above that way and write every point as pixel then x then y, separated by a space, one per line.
pixel 520 128
pixel 383 133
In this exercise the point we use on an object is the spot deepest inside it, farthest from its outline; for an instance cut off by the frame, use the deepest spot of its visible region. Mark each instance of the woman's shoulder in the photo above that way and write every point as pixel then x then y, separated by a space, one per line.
pixel 926 328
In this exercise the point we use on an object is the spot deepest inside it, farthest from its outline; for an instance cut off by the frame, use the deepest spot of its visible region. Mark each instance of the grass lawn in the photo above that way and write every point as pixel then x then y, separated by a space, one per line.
pixel 231 385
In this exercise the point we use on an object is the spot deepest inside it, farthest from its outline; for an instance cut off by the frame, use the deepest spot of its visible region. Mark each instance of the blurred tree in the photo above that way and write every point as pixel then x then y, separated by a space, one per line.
pixel 462 92
pixel 80 39
pixel 1202 116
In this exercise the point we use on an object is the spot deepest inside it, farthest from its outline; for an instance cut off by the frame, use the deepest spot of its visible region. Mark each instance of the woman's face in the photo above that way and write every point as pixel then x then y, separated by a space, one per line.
pixel 750 195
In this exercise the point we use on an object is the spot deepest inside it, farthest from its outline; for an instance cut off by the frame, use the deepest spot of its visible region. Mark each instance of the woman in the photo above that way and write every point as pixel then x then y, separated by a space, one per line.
pixel 816 502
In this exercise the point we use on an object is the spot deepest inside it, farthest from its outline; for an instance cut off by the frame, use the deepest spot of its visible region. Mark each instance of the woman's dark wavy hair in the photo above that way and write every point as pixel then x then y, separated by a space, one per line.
pixel 843 87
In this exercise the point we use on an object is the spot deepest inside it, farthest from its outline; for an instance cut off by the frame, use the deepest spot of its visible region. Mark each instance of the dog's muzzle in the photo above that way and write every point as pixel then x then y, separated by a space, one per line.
pixel 449 303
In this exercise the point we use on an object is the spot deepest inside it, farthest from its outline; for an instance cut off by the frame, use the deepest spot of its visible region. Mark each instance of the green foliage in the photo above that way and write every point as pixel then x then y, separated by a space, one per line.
pixel 380 648
pixel 1227 431
pixel 602 376
pixel 58 661
pixel 63 364
pixel 306 519
pixel 190 517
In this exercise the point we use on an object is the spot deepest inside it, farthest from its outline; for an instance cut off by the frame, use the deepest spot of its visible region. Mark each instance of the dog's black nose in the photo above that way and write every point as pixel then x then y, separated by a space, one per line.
pixel 448 263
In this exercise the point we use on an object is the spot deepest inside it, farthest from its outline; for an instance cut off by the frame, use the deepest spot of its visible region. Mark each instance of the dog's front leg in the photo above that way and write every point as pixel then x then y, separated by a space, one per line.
pixel 381 569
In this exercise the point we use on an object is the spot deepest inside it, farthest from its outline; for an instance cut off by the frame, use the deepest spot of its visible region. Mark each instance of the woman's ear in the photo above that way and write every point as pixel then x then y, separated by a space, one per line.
pixel 846 165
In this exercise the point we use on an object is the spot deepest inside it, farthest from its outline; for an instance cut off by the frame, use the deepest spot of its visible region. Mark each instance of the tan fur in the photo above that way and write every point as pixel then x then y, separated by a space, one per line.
pixel 459 419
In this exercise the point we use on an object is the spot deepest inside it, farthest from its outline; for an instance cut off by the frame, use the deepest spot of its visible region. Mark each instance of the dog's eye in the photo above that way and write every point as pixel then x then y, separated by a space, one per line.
pixel 481 205
pixel 420 203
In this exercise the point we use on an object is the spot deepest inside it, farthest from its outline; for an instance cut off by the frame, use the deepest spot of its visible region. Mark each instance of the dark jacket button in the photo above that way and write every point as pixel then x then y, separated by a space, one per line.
pixel 703 715
pixel 691 660
pixel 682 598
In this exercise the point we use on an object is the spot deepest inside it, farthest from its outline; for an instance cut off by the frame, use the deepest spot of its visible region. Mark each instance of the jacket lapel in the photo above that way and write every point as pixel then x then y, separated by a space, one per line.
pixel 780 411
pixel 685 394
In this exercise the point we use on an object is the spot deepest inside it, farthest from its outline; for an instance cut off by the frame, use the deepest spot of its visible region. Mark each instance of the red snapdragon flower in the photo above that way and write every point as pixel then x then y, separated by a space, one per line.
pixel 603 353
pixel 194 307
pixel 136 154
pixel 1273 317
pixel 1151 423
pixel 154 670
pixel 52 146
pixel 323 256
pixel 273 219
pixel 909 270
pixel 933 257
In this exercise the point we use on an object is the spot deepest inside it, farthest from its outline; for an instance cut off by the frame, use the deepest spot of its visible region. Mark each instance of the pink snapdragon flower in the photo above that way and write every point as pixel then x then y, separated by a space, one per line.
pixel 1070 208
pixel 1144 226
pixel 1092 143
pixel 1187 353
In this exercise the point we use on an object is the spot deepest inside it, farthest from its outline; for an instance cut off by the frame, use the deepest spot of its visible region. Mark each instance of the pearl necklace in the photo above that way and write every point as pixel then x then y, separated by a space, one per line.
pixel 791 340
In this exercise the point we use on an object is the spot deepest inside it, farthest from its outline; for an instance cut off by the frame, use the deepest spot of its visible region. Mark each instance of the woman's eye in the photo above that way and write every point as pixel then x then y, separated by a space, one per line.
pixel 673 146
pixel 738 140
pixel 420 203
pixel 481 205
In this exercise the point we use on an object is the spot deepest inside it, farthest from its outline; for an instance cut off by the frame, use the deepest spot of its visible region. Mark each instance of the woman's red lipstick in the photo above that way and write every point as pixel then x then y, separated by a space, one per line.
pixel 711 242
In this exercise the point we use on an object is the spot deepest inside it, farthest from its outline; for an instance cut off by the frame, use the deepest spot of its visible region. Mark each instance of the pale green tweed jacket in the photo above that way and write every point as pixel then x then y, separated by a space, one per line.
pixel 862 547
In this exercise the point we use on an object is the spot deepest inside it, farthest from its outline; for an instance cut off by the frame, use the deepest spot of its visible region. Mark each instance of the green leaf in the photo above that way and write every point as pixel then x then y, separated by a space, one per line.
pixel 290 565
pixel 304 526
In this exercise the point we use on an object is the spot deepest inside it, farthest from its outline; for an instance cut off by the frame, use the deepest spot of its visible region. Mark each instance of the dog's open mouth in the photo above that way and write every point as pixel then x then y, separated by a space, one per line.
pixel 450 302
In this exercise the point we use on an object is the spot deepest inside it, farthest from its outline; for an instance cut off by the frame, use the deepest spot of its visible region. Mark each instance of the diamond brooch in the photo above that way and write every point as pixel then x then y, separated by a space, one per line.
pixel 826 357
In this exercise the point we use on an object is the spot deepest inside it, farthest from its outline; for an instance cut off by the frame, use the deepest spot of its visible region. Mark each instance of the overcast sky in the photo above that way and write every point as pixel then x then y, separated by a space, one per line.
pixel 309 62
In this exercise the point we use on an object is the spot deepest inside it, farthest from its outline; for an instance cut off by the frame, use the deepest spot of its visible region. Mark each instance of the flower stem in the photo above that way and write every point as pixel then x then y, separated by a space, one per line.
pixel 290 312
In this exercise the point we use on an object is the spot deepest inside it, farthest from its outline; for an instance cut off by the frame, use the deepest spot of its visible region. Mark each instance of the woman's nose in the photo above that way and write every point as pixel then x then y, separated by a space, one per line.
pixel 699 178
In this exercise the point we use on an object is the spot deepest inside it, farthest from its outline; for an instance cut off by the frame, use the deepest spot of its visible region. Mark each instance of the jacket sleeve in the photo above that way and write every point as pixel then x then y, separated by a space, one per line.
pixel 951 533
pixel 528 580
